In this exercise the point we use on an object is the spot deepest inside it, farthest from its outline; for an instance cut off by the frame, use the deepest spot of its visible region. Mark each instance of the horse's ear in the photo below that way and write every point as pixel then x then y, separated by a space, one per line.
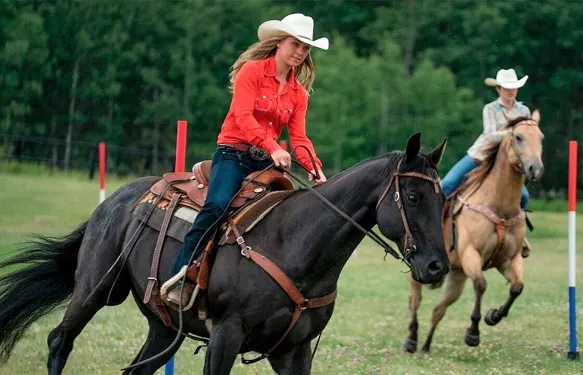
pixel 413 146
pixel 437 154
pixel 535 115
pixel 508 118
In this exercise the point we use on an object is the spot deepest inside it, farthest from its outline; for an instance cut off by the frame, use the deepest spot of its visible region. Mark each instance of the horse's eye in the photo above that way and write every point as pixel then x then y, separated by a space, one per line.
pixel 519 138
pixel 412 198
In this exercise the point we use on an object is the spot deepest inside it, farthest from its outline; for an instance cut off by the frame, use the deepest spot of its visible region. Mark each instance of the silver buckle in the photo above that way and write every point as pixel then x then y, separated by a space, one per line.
pixel 258 154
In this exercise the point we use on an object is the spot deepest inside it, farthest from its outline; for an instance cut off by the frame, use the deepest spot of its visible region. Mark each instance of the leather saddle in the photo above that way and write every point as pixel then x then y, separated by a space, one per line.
pixel 194 185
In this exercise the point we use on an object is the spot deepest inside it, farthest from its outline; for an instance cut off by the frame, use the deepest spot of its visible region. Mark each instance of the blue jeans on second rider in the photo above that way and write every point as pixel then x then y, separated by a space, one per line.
pixel 456 175
pixel 228 171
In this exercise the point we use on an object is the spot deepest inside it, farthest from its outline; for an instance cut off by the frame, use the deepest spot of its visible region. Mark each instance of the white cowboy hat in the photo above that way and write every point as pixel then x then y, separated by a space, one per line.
pixel 506 79
pixel 296 25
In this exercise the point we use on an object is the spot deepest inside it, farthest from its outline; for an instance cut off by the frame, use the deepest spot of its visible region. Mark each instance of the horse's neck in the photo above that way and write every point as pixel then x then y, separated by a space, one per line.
pixel 502 187
pixel 329 239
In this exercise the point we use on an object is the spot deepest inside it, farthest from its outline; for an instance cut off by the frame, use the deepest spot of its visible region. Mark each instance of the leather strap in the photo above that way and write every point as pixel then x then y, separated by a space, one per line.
pixel 452 234
pixel 501 225
pixel 153 278
pixel 301 302
pixel 243 147
pixel 163 312
pixel 277 274
pixel 254 152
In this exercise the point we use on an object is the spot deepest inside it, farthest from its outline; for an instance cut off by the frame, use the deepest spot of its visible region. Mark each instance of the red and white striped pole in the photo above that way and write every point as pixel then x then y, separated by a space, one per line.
pixel 179 166
pixel 573 353
pixel 101 171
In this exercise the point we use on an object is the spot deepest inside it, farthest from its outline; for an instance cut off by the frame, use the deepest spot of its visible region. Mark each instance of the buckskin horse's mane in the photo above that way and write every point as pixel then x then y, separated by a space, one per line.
pixel 490 153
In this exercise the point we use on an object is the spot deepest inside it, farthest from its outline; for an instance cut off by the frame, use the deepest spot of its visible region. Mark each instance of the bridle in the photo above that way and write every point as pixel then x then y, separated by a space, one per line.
pixel 528 122
pixel 410 247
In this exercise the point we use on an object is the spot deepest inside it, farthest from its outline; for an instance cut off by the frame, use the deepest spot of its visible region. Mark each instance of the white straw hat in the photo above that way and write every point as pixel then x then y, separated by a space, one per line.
pixel 506 79
pixel 297 25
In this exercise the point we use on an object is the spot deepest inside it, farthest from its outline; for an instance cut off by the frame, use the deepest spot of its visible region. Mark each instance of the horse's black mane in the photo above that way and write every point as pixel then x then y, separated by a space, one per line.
pixel 393 159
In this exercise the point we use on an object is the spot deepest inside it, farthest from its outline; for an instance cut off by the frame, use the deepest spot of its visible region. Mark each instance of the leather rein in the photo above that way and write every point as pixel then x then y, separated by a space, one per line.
pixel 410 246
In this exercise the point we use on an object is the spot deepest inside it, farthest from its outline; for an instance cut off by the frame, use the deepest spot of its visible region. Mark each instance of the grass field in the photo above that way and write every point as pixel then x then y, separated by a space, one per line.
pixel 371 316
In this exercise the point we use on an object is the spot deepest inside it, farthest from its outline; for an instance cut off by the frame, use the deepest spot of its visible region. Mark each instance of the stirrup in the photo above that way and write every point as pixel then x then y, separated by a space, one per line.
pixel 187 303
pixel 175 283
pixel 169 284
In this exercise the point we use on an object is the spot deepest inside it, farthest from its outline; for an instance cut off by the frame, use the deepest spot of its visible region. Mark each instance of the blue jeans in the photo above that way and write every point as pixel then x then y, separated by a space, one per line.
pixel 229 169
pixel 456 175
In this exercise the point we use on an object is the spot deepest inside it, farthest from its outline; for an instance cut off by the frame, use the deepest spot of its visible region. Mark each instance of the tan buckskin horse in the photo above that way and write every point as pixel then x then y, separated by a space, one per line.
pixel 488 228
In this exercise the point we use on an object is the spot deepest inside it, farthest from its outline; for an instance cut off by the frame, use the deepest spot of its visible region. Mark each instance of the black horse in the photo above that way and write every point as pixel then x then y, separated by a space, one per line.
pixel 310 242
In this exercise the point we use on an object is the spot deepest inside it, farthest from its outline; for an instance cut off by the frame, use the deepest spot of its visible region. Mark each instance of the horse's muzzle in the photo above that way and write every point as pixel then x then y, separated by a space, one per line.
pixel 432 271
pixel 534 170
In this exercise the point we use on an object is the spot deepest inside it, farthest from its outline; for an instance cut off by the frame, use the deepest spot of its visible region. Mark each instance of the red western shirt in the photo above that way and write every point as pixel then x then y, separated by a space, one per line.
pixel 258 114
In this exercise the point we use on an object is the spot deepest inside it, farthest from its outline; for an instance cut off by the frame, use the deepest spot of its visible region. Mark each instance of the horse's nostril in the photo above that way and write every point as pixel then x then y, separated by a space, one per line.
pixel 434 268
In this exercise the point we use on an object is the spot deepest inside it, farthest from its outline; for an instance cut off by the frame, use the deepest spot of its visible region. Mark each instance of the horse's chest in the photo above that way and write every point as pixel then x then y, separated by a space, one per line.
pixel 309 325
pixel 500 246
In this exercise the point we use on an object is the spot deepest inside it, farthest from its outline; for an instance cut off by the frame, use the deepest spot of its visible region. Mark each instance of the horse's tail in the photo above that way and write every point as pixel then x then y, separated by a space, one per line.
pixel 29 293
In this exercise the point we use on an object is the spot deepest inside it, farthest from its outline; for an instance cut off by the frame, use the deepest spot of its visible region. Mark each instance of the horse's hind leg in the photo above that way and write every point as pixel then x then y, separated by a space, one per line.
pixel 410 344
pixel 81 309
pixel 77 315
pixel 512 271
pixel 159 339
pixel 298 361
pixel 454 286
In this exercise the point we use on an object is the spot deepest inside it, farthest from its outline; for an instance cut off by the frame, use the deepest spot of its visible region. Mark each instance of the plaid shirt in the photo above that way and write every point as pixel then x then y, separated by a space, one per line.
pixel 494 119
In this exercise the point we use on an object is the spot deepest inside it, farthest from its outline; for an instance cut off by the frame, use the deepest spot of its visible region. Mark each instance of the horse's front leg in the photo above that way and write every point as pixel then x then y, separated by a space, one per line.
pixel 225 342
pixel 472 265
pixel 512 271
pixel 410 343
pixel 454 286
pixel 297 361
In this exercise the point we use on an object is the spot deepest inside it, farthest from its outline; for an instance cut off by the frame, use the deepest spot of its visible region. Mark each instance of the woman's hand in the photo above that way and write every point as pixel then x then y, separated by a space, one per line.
pixel 281 158
pixel 318 180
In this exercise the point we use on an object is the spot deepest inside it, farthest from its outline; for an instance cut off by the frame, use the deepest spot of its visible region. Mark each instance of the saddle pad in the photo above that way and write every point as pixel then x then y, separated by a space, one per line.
pixel 179 225
pixel 183 217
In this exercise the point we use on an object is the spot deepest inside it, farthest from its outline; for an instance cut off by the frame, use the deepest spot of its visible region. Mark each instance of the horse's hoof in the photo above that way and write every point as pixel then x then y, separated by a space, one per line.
pixel 410 346
pixel 489 318
pixel 472 340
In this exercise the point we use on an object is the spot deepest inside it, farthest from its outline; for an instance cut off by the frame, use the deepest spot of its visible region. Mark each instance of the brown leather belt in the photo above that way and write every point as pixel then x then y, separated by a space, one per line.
pixel 243 147
pixel 256 153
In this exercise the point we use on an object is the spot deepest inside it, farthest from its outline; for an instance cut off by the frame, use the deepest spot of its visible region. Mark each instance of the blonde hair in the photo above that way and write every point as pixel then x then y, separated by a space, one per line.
pixel 305 73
